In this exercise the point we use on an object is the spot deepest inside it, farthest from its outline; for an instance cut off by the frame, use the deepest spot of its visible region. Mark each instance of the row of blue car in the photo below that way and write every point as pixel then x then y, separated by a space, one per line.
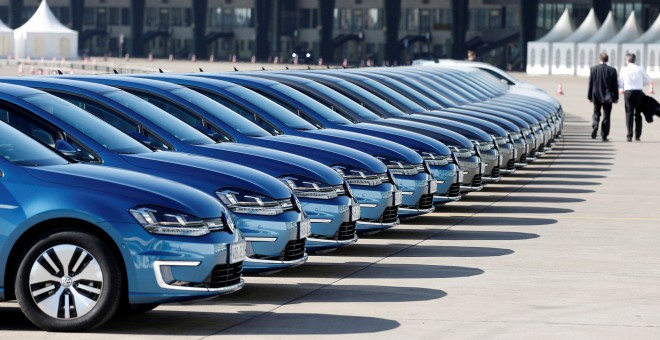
pixel 119 193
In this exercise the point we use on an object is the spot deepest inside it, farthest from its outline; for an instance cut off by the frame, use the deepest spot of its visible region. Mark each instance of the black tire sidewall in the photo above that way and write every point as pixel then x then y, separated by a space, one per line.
pixel 110 297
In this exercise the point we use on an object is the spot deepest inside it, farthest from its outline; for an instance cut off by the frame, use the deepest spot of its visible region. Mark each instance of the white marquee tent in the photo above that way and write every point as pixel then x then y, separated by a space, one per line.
pixel 587 51
pixel 638 46
pixel 539 52
pixel 629 32
pixel 6 40
pixel 43 36
pixel 653 59
pixel 565 52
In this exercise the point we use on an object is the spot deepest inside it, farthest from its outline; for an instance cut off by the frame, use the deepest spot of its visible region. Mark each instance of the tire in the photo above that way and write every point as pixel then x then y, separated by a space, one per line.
pixel 91 290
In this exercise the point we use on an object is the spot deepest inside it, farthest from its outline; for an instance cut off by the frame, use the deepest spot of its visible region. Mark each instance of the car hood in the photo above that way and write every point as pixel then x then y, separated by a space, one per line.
pixel 488 114
pixel 372 145
pixel 445 136
pixel 273 162
pixel 324 152
pixel 480 118
pixel 498 110
pixel 134 188
pixel 486 126
pixel 466 130
pixel 415 141
pixel 207 174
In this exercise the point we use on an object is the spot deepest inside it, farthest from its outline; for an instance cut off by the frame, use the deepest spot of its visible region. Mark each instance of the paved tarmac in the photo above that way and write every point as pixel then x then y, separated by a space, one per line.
pixel 567 248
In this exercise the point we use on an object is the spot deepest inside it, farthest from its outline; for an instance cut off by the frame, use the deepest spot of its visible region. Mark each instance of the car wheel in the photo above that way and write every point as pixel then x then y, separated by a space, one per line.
pixel 68 281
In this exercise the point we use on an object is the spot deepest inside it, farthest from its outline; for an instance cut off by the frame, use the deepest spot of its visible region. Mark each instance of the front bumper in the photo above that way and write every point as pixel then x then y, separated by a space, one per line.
pixel 333 222
pixel 417 194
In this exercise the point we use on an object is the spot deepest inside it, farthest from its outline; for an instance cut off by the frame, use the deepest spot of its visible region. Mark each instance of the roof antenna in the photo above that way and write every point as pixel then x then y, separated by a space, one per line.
pixel 309 68
pixel 59 72
pixel 286 67
pixel 235 69
pixel 327 66
pixel 200 70
pixel 160 70
pixel 115 71
pixel 263 68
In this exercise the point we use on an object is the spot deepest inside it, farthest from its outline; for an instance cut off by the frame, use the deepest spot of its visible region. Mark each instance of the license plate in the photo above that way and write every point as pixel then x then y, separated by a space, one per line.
pixel 355 212
pixel 483 167
pixel 305 229
pixel 237 252
pixel 461 175
pixel 515 153
pixel 501 159
pixel 398 197
pixel 433 186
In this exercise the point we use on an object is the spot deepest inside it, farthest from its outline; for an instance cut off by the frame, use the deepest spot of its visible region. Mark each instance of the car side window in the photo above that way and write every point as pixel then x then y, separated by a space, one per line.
pixel 290 108
pixel 44 133
pixel 117 120
pixel 247 114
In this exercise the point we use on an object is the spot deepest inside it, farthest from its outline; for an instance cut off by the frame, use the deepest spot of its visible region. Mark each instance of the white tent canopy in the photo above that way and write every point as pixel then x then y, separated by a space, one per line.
pixel 6 40
pixel 43 36
pixel 638 46
pixel 565 52
pixel 629 32
pixel 587 51
pixel 539 52
pixel 653 59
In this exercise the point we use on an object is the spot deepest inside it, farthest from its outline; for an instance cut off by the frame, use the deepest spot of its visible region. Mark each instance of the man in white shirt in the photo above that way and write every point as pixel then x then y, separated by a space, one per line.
pixel 633 78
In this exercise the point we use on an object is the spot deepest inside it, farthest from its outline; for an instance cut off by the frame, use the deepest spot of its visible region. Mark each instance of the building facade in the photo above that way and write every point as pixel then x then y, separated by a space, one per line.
pixel 357 31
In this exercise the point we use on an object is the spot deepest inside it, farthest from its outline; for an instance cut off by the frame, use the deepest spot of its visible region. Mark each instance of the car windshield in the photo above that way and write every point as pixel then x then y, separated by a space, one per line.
pixel 23 150
pixel 164 120
pixel 404 103
pixel 273 109
pixel 101 132
pixel 350 105
pixel 229 117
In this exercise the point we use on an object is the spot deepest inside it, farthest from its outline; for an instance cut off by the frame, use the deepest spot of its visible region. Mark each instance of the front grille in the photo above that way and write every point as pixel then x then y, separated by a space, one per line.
pixel 425 202
pixel 390 214
pixel 294 250
pixel 496 172
pixel 511 164
pixel 476 181
pixel 454 190
pixel 346 231
pixel 225 275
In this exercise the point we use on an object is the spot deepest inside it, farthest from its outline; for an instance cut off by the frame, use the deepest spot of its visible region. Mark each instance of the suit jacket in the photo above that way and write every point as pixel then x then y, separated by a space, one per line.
pixel 603 84
pixel 650 107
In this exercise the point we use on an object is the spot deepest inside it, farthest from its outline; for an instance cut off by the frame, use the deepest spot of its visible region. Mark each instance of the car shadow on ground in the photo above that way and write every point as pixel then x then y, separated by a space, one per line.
pixel 529 189
pixel 524 199
pixel 505 209
pixel 553 175
pixel 406 250
pixel 511 181
pixel 569 162
pixel 364 270
pixel 448 220
pixel 402 233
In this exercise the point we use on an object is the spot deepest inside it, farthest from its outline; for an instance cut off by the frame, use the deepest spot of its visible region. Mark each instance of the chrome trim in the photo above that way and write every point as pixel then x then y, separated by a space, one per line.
pixel 260 239
pixel 467 188
pixel 292 263
pixel 318 220
pixel 490 179
pixel 506 171
pixel 449 198
pixel 164 285
pixel 342 242
pixel 368 205
pixel 407 193
pixel 392 224
pixel 521 164
pixel 424 211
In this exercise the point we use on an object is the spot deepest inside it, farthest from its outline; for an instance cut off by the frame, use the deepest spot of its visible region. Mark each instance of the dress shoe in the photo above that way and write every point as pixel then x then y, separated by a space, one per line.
pixel 629 139
pixel 593 134
pixel 637 139
pixel 605 139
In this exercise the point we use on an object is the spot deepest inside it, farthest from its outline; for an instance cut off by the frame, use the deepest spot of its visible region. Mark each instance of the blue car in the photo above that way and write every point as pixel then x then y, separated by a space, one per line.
pixel 321 121
pixel 275 232
pixel 79 241
pixel 464 150
pixel 410 173
pixel 372 185
pixel 274 241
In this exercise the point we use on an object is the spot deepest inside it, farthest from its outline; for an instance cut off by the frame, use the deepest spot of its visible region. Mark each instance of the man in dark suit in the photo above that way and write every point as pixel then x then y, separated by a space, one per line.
pixel 603 91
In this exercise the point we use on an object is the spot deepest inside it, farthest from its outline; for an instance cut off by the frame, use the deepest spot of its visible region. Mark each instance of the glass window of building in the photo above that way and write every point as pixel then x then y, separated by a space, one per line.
pixel 442 19
pixel 373 19
pixel 304 18
pixel 358 20
pixel 125 16
pixel 177 17
pixel 424 20
pixel 243 17
pixel 101 17
pixel 88 16
pixel 412 19
pixel 113 16
pixel 151 18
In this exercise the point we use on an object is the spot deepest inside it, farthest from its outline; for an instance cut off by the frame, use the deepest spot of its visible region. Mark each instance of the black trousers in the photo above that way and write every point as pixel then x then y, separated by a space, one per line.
pixel 605 127
pixel 634 99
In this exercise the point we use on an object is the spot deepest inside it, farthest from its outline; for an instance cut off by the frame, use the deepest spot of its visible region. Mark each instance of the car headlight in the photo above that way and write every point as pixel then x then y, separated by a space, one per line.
pixel 356 176
pixel 483 146
pixel 436 159
pixel 307 188
pixel 398 167
pixel 245 202
pixel 165 221
pixel 462 152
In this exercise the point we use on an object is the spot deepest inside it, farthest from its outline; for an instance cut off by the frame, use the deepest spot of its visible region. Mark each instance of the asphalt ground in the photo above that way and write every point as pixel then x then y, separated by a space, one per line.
pixel 568 247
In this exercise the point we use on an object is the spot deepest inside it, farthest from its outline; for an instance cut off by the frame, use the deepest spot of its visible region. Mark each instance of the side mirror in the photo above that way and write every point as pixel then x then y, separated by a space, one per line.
pixel 65 148
pixel 140 137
